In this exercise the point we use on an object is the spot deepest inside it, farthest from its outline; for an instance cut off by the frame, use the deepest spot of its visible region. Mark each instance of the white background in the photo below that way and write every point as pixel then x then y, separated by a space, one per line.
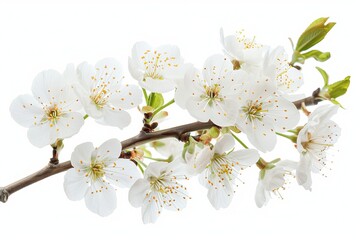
pixel 34 37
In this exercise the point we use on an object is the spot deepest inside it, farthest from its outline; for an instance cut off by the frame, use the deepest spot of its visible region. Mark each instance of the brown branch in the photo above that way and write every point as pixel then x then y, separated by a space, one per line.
pixel 180 132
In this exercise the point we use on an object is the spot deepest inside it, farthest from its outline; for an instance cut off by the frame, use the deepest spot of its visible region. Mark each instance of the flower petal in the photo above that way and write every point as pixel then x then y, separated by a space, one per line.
pixel 115 118
pixel 220 194
pixel 42 135
pixel 216 67
pixel 261 196
pixel 81 156
pixel 303 172
pixel 224 113
pixel 138 192
pixel 100 198
pixel 199 109
pixel 224 144
pixel 246 157
pixel 69 124
pixel 151 208
pixel 26 111
pixel 157 85
pixel 75 185
pixel 122 173
pixel 109 150
pixel 109 71
pixel 128 96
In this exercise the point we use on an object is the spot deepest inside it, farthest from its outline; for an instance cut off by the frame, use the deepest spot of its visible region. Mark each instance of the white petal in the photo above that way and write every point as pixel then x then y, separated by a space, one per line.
pixel 138 192
pixel 69 124
pixel 202 159
pixel 75 185
pixel 155 169
pixel 221 194
pixel 42 135
pixel 262 135
pixel 69 74
pixel 303 172
pixel 100 198
pixel 109 71
pixel 224 144
pixel 177 200
pixel 122 173
pixel 115 118
pixel 246 157
pixel 81 156
pixel 129 96
pixel 47 86
pixel 284 114
pixel 109 150
pixel 156 85
pixel 261 196
pixel 86 72
pixel 151 208
pixel 322 113
pixel 224 113
pixel 26 111
pixel 199 109
pixel 216 67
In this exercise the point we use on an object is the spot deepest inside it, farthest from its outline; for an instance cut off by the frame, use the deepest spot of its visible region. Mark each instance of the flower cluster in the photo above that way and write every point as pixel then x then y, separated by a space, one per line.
pixel 246 91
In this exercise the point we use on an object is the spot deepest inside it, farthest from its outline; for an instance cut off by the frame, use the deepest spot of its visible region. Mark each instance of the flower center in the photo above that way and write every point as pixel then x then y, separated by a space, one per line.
pixel 157 184
pixel 154 66
pixel 213 91
pixel 253 110
pixel 221 166
pixel 96 170
pixel 53 114
pixel 100 95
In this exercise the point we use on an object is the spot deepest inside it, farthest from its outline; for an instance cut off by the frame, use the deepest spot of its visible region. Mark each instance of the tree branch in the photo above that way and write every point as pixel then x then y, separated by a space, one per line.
pixel 180 132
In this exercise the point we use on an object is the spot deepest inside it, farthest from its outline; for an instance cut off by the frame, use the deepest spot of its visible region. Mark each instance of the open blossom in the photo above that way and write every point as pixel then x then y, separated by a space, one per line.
pixel 103 95
pixel 273 180
pixel 94 172
pixel 288 78
pixel 263 112
pixel 244 53
pixel 159 189
pixel 314 139
pixel 211 95
pixel 220 169
pixel 50 113
pixel 156 69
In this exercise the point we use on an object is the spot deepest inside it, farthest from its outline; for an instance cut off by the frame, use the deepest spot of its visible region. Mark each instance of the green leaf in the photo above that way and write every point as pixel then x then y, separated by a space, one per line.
pixel 314 34
pixel 317 55
pixel 155 100
pixel 338 88
pixel 334 101
pixel 324 75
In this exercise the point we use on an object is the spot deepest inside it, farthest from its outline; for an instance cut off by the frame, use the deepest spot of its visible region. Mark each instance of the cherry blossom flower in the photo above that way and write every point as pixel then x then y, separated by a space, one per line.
pixel 273 180
pixel 211 96
pixel 91 167
pixel 50 113
pixel 244 53
pixel 159 189
pixel 263 112
pixel 314 139
pixel 157 70
pixel 219 169
pixel 288 78
pixel 103 95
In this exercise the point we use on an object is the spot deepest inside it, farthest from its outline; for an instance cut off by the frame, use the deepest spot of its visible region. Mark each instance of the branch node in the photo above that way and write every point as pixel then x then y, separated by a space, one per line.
pixel 4 195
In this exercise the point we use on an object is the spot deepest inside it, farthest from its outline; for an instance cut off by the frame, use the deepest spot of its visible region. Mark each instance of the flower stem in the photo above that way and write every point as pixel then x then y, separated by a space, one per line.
pixel 162 107
pixel 292 138
pixel 239 141
pixel 145 96
pixel 86 116
pixel 157 159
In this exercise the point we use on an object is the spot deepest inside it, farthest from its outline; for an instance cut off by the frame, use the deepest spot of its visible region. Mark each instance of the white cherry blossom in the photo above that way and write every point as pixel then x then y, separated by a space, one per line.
pixel 288 78
pixel 94 173
pixel 103 95
pixel 156 69
pixel 51 112
pixel 263 112
pixel 314 139
pixel 244 53
pixel 273 180
pixel 220 169
pixel 211 95
pixel 160 188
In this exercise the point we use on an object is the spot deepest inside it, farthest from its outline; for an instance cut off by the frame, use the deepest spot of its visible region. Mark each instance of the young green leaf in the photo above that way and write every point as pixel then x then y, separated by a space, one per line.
pixel 317 55
pixel 338 88
pixel 314 34
pixel 324 75
pixel 155 100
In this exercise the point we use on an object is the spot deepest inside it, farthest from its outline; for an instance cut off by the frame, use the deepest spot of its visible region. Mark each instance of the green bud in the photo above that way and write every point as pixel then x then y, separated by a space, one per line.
pixel 314 34
pixel 214 132
pixel 155 100
pixel 147 109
